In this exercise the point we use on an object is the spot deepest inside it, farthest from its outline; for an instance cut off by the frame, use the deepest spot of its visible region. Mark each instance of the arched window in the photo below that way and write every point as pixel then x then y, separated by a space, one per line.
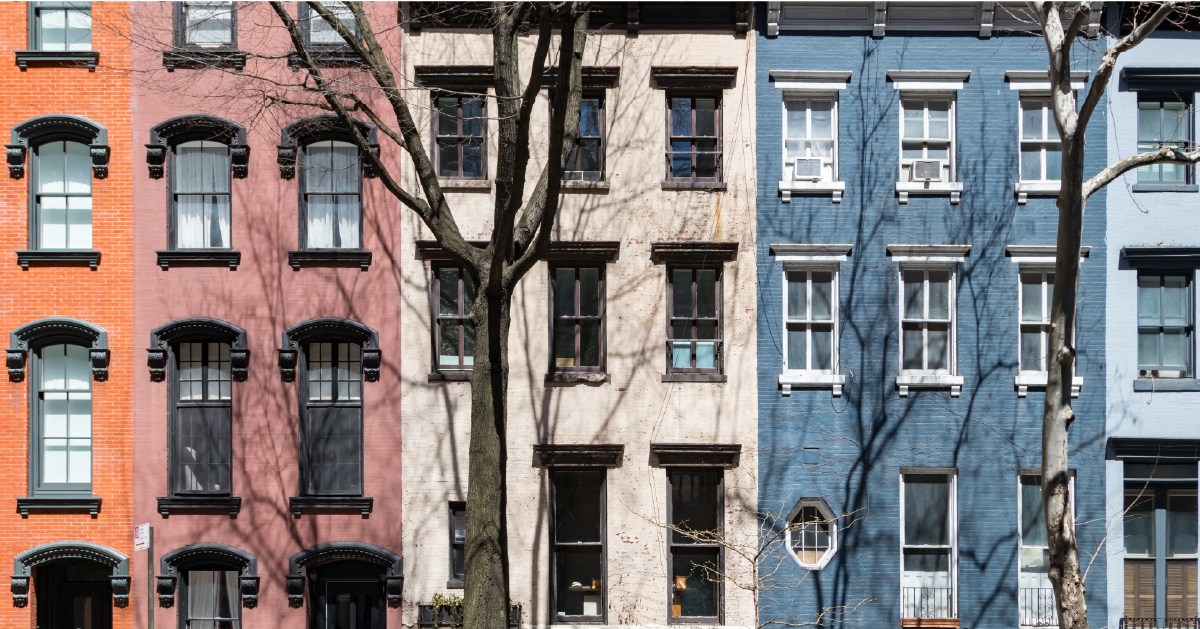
pixel 68 151
pixel 203 358
pixel 65 355
pixel 215 580
pixel 74 579
pixel 354 578
pixel 332 357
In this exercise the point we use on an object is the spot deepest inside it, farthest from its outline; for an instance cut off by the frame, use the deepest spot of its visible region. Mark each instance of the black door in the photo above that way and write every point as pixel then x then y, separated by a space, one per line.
pixel 74 596
pixel 348 595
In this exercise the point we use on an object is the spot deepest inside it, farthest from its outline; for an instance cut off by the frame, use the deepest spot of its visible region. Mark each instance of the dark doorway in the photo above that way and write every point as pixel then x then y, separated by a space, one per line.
pixel 74 594
pixel 348 595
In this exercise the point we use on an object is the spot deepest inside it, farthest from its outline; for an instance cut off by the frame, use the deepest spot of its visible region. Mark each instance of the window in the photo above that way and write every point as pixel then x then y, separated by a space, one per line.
pixel 333 419
pixel 332 200
pixel 213 600
pixel 810 139
pixel 455 334
pixel 1164 121
pixel 811 536
pixel 63 197
pixel 458 543
pixel 578 298
pixel 579 531
pixel 63 432
pixel 461 126
pixel 209 24
pixel 1036 594
pixel 201 182
pixel 320 32
pixel 927 139
pixel 929 539
pixel 1165 324
pixel 1160 498
pixel 927 322
pixel 811 306
pixel 694 124
pixel 1037 293
pixel 203 419
pixel 62 26
pixel 586 162
pixel 1041 148
pixel 694 304
pixel 696 516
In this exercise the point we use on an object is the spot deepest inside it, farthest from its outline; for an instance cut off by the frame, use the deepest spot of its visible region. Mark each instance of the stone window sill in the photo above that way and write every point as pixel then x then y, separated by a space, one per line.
pixel 51 256
pixel 199 257
pixel 454 584
pixel 694 377
pixel 303 504
pixel 953 189
pixel 1165 187
pixel 450 376
pixel 574 377
pixel 202 504
pixel 465 185
pixel 694 185
pixel 200 59
pixel 89 58
pixel 1037 380
pixel 330 257
pixel 809 380
pixel 1036 188
pixel 1164 385
pixel 59 503
pixel 939 381
pixel 572 185
pixel 834 188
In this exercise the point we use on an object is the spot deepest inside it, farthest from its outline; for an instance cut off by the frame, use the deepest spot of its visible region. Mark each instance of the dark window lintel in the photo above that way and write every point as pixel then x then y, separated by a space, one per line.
pixel 695 454
pixel 200 257
pixel 694 78
pixel 578 455
pixel 178 504
pixel 51 256
pixel 330 257
pixel 302 504
pixel 59 503
pixel 693 252
pixel 1161 256
pixel 79 58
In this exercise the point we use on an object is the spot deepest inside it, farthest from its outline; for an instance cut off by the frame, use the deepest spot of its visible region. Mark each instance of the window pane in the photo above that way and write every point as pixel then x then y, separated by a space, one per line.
pixel 797 340
pixel 681 116
pixel 589 117
pixel 1139 523
pixel 78 368
pixel 1031 119
pixel 1148 354
pixel 564 292
pixel 706 294
pixel 939 346
pixel 1033 519
pixel 578 504
pixel 694 587
pixel 797 118
pixel 926 509
pixel 448 343
pixel 213 597
pixel 797 295
pixel 564 343
pixel 1031 297
pixel 334 452
pixel 472 151
pixel 1031 162
pixel 1175 122
pixel 447 115
pixel 589 292
pixel 447 158
pixel 79 30
pixel 78 168
pixel 589 343
pixel 579 574
pixel 681 293
pixel 53 24
pixel 1174 303
pixel 822 296
pixel 209 23
pixel 321 214
pixel 1054 162
pixel 681 355
pixel 54 367
pixel 51 167
pixel 448 290
pixel 472 113
pixel 939 294
pixel 203 449
pixel 694 504
pixel 706 117
pixel 822 347
pixel 468 344
pixel 1031 349
pixel 1148 300
pixel 1174 348
pixel 914 294
pixel 706 355
pixel 1181 523
pixel 822 119
pixel 939 119
pixel 914 119
pixel 913 346
pixel 1148 122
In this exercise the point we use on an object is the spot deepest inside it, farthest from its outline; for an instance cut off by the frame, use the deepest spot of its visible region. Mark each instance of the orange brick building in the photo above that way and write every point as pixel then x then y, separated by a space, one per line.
pixel 66 248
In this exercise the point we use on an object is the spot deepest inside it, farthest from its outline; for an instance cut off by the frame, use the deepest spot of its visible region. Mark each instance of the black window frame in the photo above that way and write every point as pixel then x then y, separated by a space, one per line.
pixel 717 138
pixel 574 157
pixel 306 440
pixel 462 317
pixel 304 17
pixel 602 618
pixel 303 193
pixel 35 206
pixel 179 17
pixel 1156 490
pixel 718 349
pixel 175 469
pixel 1189 109
pixel 35 33
pixel 480 94
pixel 185 574
pixel 719 619
pixel 555 319
pixel 38 488
pixel 1189 329
pixel 456 578
pixel 173 194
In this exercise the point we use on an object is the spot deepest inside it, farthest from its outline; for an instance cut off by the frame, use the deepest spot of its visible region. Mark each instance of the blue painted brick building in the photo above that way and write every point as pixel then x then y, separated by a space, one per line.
pixel 903 284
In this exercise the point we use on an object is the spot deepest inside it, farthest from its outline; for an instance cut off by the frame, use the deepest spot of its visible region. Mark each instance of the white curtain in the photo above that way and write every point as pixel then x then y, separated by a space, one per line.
pixel 213 599
pixel 332 180
pixel 202 195
pixel 64 196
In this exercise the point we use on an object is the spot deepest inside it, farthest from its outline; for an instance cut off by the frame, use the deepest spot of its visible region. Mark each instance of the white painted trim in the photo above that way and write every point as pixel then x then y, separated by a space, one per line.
pixel 1027 379
pixel 831 520
pixel 933 80
pixel 952 473
pixel 1039 80
pixel 923 253
pixel 811 80
pixel 1036 255
pixel 806 377
pixel 811 251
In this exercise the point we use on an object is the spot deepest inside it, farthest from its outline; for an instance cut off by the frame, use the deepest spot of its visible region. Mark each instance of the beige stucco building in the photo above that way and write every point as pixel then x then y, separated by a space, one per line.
pixel 620 401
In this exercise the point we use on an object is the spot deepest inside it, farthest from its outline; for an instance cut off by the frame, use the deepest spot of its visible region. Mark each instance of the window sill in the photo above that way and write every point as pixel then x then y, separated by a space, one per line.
pixel 1037 380
pixel 585 186
pixel 51 256
pixel 803 379
pixel 450 376
pixel 1165 187
pixel 59 503
pixel 1036 188
pixel 329 257
pixel 90 58
pixel 573 377
pixel 905 382
pixel 465 185
pixel 953 188
pixel 694 377
pixel 933 623
pixel 199 257
pixel 302 504
pixel 338 57
pixel 232 504
pixel 834 188
pixel 203 59
pixel 454 584
pixel 694 185
pixel 1162 385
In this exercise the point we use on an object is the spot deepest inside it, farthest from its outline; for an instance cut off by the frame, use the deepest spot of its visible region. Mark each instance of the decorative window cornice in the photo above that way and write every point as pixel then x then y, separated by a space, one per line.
pixel 181 559
pixel 1162 256
pixel 590 77
pixel 694 77
pixel 695 454
pixel 581 455
pixel 584 251
pixel 24 563
pixel 928 253
pixel 432 250
pixel 1171 78
pixel 1039 254
pixel 198 127
pixel 58 127
pixel 299 564
pixel 693 252
pixel 318 128
pixel 36 334
pixel 935 80
pixel 811 80
pixel 454 77
pixel 330 329
pixel 1039 80
pixel 198 329
pixel 805 252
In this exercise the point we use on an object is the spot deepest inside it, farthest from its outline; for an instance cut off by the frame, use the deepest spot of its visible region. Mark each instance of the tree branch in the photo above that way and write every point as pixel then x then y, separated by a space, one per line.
pixel 1109 62
pixel 1163 155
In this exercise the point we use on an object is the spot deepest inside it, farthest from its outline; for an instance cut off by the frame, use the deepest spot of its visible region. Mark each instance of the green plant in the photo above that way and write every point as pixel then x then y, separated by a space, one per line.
pixel 450 600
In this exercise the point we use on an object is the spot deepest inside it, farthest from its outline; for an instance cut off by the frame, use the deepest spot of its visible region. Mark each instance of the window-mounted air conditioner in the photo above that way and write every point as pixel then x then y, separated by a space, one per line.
pixel 926 170
pixel 807 169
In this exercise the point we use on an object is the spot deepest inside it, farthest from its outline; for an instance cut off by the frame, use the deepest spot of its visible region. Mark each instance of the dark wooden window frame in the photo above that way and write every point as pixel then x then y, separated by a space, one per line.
pixel 480 93
pixel 456 579
pixel 719 149
pixel 719 359
pixel 302 182
pixel 601 94
pixel 1189 109
pixel 1189 329
pixel 179 14
pixel 719 619
pixel 1157 491
pixel 693 254
pixel 580 620
pixel 555 320
pixel 306 404
pixel 438 318
pixel 336 55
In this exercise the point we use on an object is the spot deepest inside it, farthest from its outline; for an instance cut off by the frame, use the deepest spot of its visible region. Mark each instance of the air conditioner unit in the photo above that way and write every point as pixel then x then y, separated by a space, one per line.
pixel 926 170
pixel 807 169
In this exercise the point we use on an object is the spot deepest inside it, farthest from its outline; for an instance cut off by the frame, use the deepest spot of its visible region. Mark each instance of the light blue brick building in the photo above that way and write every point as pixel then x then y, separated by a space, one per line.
pixel 905 235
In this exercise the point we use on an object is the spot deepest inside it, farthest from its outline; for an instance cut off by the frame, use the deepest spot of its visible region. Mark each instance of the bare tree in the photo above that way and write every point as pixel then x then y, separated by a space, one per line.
pixel 1072 120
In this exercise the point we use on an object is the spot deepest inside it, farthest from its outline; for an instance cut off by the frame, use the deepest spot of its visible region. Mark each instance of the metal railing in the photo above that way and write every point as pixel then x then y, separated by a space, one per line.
pixel 928 603
pixel 1037 607
pixel 705 352
pixel 1160 623
pixel 703 165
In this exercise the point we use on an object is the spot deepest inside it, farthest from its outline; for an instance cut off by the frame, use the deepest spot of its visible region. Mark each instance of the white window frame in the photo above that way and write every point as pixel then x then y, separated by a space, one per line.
pixel 808 270
pixel 1045 140
pixel 938 258
pixel 1037 259
pixel 949 169
pixel 928 85
pixel 808 98
pixel 1036 84
pixel 830 519
pixel 952 472
pixel 1036 472
pixel 812 257
pixel 810 85
pixel 1043 271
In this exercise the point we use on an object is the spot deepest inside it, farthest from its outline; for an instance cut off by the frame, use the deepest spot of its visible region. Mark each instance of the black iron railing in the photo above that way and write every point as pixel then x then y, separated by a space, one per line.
pixel 928 603
pixel 1037 607
pixel 1160 623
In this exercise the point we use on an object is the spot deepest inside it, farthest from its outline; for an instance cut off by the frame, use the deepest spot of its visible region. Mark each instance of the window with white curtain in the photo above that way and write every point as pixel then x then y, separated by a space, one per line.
pixel 64 430
pixel 929 543
pixel 321 32
pixel 64 196
pixel 333 205
pixel 213 600
pixel 202 201
pixel 810 139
